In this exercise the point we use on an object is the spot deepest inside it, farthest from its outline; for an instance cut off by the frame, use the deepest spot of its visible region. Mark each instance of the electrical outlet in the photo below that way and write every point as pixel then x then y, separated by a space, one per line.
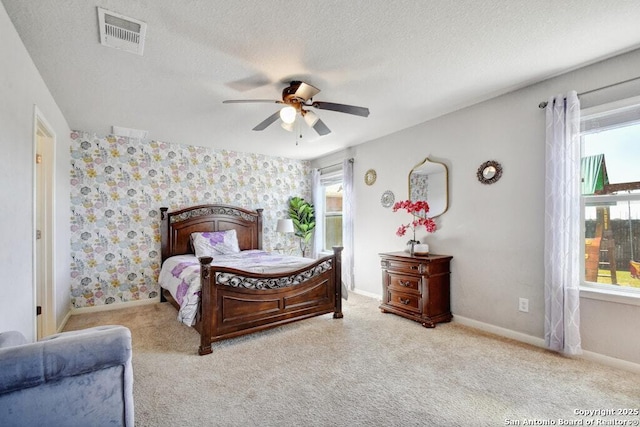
pixel 523 305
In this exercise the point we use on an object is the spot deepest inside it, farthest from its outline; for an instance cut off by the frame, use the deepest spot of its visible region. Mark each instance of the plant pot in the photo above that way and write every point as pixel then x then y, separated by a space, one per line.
pixel 421 249
pixel 411 244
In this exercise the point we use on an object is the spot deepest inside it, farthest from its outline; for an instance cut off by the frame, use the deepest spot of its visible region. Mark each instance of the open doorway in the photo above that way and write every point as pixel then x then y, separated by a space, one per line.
pixel 44 304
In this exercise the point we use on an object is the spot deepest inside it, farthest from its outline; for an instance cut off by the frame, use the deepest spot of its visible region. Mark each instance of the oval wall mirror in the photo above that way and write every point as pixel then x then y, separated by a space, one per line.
pixel 429 181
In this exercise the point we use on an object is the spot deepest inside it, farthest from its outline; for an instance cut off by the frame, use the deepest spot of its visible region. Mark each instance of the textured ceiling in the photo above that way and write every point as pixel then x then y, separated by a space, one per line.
pixel 407 60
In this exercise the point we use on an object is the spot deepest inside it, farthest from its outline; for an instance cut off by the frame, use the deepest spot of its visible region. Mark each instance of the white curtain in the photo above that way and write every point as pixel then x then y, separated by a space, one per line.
pixel 348 216
pixel 318 203
pixel 562 225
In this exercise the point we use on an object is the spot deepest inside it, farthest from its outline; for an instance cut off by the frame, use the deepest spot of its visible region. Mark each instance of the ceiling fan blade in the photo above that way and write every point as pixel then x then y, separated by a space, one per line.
pixel 251 82
pixel 321 128
pixel 306 91
pixel 342 108
pixel 246 101
pixel 266 122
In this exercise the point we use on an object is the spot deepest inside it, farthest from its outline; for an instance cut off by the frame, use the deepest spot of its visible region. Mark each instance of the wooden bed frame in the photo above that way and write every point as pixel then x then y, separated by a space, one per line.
pixel 228 311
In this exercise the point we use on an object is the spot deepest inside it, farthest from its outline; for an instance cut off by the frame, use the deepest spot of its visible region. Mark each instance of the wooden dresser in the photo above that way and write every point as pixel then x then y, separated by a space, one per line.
pixel 416 287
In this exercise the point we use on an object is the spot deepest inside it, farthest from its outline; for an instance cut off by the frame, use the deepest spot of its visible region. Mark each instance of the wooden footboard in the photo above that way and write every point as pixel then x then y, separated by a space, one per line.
pixel 235 302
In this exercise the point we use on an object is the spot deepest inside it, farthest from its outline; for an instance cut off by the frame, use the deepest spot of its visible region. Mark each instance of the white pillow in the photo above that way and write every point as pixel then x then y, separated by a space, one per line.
pixel 211 243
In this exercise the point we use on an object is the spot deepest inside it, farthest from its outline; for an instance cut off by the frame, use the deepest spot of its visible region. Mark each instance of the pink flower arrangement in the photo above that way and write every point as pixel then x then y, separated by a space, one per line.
pixel 419 209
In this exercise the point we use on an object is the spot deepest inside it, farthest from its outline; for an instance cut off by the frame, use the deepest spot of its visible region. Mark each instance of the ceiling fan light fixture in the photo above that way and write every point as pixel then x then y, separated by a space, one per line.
pixel 288 115
pixel 287 126
pixel 311 118
pixel 296 98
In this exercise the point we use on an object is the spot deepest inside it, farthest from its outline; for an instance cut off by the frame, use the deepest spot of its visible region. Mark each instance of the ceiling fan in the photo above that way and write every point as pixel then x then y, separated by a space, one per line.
pixel 297 98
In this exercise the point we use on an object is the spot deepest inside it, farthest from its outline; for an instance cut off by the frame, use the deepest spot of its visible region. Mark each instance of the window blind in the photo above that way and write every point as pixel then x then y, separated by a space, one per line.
pixel 331 177
pixel 608 120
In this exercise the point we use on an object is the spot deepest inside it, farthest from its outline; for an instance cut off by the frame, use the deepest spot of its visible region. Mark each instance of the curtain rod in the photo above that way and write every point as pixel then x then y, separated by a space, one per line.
pixel 543 104
pixel 334 165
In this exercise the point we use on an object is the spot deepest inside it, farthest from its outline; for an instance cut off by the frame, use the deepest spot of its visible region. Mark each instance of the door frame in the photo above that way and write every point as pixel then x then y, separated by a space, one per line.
pixel 44 143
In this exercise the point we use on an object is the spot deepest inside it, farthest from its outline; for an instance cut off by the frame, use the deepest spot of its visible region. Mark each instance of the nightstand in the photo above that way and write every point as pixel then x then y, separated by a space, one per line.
pixel 416 287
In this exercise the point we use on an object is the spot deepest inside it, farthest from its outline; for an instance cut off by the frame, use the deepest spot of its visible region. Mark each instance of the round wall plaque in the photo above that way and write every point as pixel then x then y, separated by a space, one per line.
pixel 387 199
pixel 370 177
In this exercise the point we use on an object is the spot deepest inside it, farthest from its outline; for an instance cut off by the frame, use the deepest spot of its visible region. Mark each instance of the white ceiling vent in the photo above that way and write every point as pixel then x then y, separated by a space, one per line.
pixel 128 132
pixel 121 32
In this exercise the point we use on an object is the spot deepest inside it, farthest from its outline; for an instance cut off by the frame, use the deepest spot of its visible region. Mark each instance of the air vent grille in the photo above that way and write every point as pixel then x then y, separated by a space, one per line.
pixel 128 132
pixel 121 32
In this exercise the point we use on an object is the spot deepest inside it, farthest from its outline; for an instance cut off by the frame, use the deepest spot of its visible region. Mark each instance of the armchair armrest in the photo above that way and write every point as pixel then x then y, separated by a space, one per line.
pixel 71 378
pixel 11 338
pixel 63 355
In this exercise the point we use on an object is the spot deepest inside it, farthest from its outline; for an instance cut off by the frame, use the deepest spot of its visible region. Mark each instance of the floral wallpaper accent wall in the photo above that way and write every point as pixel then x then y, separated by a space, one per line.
pixel 118 186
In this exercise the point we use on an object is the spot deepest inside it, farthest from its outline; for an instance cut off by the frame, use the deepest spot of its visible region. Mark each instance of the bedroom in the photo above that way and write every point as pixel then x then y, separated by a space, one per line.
pixel 497 250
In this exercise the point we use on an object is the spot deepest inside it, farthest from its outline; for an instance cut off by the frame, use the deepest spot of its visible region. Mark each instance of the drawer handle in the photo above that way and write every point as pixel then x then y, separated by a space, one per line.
pixel 405 283
pixel 414 267
pixel 404 301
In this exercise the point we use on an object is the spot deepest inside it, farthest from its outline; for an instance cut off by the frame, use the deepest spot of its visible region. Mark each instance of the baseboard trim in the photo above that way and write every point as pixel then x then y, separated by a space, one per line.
pixel 497 330
pixel 366 294
pixel 64 322
pixel 610 361
pixel 539 342
pixel 109 307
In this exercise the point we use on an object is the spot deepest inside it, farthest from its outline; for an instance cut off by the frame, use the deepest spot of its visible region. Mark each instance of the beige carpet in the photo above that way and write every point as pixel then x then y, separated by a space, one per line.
pixel 368 369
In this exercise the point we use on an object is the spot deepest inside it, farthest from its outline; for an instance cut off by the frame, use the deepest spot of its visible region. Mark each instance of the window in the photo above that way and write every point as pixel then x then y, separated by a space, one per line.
pixel 610 169
pixel 332 216
pixel 329 208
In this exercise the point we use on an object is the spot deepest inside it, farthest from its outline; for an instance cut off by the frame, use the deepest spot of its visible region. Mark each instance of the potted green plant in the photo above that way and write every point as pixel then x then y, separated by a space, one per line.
pixel 304 220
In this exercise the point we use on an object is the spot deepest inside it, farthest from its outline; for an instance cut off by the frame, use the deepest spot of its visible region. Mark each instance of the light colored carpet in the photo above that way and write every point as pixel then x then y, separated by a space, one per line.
pixel 368 369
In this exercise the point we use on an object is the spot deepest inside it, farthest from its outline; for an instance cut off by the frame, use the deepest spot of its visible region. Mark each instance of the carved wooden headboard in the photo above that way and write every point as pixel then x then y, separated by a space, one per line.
pixel 177 226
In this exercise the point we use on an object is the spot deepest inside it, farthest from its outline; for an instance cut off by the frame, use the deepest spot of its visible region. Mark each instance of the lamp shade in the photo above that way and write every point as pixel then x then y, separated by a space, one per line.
pixel 287 126
pixel 285 226
pixel 311 118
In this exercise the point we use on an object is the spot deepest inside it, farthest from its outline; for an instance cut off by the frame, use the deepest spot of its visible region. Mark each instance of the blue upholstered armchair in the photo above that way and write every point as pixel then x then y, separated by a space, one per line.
pixel 78 378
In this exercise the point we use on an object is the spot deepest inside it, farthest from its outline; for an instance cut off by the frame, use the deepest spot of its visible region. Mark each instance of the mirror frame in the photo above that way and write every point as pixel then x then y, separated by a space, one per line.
pixel 488 164
pixel 446 178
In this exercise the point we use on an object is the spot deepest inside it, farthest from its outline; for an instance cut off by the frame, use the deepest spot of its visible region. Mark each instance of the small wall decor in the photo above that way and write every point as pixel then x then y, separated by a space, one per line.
pixel 489 172
pixel 370 177
pixel 387 199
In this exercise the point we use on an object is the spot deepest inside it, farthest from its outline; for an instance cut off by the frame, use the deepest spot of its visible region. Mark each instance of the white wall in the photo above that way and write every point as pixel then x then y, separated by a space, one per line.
pixel 21 87
pixel 494 232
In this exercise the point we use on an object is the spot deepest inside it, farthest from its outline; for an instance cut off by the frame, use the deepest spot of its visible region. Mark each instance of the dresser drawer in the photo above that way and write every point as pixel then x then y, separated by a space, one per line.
pixel 405 266
pixel 404 301
pixel 404 283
